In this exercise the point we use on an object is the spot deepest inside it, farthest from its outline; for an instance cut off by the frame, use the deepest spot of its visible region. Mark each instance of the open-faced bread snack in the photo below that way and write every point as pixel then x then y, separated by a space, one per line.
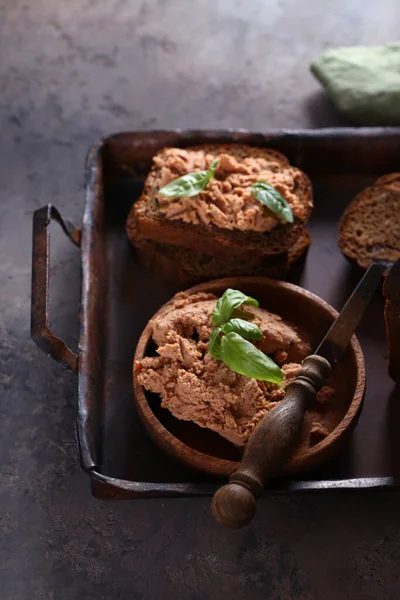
pixel 226 218
pixel 369 229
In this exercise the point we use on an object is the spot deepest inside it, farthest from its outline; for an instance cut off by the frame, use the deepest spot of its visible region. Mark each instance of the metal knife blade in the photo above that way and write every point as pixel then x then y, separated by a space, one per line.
pixel 339 335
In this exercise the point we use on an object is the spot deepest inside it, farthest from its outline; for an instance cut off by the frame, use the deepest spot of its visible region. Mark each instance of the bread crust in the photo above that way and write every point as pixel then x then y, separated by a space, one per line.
pixel 369 228
pixel 298 251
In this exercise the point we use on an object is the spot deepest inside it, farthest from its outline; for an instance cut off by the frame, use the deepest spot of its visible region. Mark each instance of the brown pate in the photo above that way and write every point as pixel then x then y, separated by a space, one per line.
pixel 195 387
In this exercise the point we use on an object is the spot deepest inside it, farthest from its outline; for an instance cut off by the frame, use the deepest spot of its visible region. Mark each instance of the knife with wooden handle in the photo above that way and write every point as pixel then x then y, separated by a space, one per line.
pixel 277 434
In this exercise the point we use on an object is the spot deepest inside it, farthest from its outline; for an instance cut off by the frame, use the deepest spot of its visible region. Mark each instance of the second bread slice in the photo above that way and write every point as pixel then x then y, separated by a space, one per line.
pixel 188 267
pixel 369 229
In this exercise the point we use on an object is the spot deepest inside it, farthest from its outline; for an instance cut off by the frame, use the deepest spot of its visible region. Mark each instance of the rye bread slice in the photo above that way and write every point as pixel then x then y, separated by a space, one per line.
pixel 391 291
pixel 146 221
pixel 189 267
pixel 369 229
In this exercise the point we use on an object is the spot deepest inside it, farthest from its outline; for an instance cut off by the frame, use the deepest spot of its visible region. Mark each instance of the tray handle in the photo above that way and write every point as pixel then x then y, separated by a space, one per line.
pixel 47 341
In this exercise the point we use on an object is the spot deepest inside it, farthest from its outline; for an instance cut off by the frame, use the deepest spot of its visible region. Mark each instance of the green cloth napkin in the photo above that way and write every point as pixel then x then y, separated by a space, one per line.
pixel 363 82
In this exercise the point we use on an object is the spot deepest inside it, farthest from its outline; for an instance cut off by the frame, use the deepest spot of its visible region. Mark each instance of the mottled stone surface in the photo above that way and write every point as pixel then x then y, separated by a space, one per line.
pixel 70 72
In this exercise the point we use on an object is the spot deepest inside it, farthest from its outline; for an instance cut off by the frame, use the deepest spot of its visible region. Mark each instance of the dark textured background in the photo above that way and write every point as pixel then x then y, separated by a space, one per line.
pixel 72 71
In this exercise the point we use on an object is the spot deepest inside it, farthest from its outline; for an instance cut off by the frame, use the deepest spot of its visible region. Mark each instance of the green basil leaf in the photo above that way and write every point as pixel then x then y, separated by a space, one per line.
pixel 225 305
pixel 189 185
pixel 214 165
pixel 247 330
pixel 214 345
pixel 242 313
pixel 244 358
pixel 268 195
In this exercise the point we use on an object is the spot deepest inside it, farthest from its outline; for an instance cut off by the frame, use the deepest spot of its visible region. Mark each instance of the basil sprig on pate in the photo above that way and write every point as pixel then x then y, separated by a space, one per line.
pixel 272 199
pixel 189 185
pixel 229 340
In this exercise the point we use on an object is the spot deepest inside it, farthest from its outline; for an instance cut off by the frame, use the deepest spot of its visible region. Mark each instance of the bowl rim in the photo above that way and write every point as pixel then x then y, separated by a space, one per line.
pixel 212 465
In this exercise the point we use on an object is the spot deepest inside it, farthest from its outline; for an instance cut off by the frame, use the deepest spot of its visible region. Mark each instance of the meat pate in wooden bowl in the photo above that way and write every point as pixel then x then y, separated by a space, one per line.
pixel 202 412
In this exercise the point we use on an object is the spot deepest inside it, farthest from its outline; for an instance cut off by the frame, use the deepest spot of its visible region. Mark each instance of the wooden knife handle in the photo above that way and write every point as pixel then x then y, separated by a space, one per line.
pixel 269 446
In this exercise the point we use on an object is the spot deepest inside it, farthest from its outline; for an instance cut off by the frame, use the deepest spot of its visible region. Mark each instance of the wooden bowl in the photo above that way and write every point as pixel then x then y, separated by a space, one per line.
pixel 208 452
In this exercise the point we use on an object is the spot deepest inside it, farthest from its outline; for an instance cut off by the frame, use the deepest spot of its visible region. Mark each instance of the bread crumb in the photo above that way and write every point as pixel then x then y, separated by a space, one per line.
pixel 317 433
pixel 325 394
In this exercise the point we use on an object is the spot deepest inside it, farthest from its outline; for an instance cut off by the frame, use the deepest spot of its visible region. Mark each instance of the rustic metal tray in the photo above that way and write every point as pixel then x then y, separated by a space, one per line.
pixel 119 296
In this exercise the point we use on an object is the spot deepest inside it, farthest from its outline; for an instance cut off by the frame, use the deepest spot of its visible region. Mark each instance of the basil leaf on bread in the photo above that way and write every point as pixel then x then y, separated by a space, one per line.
pixel 189 185
pixel 268 195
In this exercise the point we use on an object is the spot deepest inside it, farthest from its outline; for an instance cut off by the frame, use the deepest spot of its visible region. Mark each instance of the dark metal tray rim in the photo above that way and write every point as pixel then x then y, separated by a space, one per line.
pixel 104 486
pixel 151 490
